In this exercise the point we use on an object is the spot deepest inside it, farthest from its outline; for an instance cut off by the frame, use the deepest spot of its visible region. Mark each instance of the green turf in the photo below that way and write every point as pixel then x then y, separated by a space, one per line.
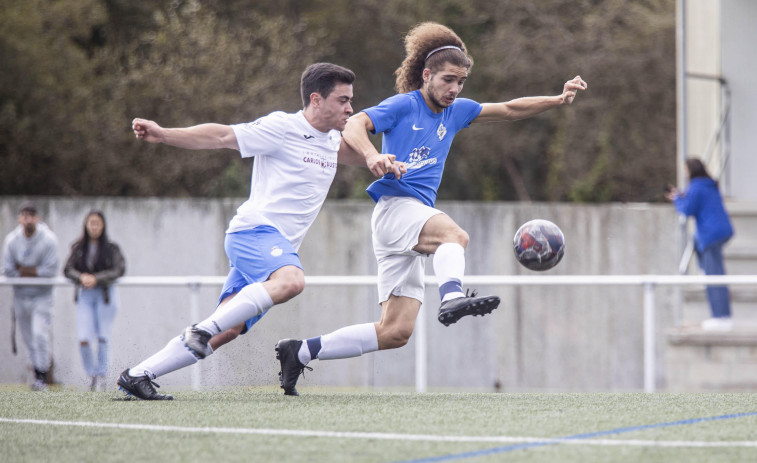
pixel 544 415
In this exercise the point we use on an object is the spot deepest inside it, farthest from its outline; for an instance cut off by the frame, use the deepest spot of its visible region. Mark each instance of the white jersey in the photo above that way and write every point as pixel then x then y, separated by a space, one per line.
pixel 293 169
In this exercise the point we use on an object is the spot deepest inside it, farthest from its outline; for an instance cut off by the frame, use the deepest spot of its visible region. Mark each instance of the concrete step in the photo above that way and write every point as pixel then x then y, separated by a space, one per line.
pixel 739 294
pixel 744 219
pixel 698 360
pixel 695 307
pixel 740 260
pixel 695 312
pixel 741 334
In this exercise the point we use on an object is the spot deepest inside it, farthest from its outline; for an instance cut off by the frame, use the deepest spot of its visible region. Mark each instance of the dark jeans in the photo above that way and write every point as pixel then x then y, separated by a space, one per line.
pixel 711 262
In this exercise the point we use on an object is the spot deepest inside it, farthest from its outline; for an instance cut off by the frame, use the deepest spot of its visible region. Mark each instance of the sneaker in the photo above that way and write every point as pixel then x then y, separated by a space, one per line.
pixel 291 368
pixel 39 385
pixel 141 387
pixel 718 324
pixel 93 384
pixel 454 309
pixel 197 341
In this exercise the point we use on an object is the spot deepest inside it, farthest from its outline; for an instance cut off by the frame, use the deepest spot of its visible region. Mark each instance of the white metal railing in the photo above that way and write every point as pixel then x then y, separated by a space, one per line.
pixel 648 283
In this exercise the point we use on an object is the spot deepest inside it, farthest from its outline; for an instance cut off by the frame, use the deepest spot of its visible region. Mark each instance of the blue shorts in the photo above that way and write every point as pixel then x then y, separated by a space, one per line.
pixel 253 256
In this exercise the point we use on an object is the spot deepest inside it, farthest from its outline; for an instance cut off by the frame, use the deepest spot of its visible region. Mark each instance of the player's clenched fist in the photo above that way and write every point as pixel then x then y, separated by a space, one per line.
pixel 146 130
pixel 382 164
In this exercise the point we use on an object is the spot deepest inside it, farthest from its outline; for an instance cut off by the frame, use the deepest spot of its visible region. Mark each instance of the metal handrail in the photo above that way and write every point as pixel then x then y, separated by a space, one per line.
pixel 647 282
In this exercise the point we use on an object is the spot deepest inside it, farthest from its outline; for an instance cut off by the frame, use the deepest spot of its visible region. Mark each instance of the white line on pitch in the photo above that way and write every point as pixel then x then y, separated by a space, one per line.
pixel 383 436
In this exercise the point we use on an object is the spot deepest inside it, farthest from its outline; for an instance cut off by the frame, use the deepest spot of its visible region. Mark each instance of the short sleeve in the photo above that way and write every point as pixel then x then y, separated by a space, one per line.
pixel 469 110
pixel 262 136
pixel 386 114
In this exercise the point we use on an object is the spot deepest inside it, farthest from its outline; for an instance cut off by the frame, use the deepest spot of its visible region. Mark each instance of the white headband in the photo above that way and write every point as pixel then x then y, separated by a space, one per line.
pixel 442 48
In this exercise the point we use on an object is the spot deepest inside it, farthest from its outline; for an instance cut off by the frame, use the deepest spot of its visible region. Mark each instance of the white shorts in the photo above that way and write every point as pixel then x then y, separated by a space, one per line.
pixel 396 223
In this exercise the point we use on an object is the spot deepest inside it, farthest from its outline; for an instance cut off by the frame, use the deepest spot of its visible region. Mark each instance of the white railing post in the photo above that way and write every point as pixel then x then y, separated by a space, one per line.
pixel 649 337
pixel 194 317
pixel 421 352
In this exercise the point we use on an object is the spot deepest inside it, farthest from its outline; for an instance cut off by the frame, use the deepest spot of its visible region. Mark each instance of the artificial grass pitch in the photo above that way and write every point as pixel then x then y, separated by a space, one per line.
pixel 263 425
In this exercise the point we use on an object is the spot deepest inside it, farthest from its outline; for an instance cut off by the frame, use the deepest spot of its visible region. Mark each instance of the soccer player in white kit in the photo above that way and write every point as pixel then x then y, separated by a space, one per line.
pixel 295 162
pixel 418 125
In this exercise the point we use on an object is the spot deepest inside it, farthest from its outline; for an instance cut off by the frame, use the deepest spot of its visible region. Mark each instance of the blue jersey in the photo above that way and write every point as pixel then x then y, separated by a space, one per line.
pixel 420 138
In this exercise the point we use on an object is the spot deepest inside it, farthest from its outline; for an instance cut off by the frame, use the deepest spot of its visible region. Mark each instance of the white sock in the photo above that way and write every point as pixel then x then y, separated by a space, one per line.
pixel 449 267
pixel 252 300
pixel 350 341
pixel 171 358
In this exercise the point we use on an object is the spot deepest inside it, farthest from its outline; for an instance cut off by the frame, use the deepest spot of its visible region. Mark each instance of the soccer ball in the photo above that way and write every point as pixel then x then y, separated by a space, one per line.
pixel 539 245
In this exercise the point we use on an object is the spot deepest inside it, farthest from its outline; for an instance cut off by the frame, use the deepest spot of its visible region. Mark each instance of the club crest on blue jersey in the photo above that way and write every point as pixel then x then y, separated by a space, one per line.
pixel 419 157
pixel 441 131
pixel 276 251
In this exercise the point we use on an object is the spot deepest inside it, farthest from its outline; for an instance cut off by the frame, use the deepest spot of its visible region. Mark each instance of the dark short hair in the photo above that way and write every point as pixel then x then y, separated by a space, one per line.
pixel 27 206
pixel 322 78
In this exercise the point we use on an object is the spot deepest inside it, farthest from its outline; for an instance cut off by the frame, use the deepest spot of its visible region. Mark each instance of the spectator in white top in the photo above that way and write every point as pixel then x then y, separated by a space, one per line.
pixel 30 251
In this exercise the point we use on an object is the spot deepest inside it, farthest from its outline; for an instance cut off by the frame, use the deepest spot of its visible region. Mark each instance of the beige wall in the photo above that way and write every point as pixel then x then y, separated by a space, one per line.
pixel 720 41
pixel 704 96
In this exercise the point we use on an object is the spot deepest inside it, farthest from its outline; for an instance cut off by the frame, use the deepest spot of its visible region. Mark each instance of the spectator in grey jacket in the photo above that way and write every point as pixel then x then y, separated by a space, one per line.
pixel 93 265
pixel 30 250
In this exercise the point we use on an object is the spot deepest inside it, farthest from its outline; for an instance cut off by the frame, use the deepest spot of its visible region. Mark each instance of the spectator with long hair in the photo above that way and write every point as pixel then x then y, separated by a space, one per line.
pixel 93 265
pixel 702 200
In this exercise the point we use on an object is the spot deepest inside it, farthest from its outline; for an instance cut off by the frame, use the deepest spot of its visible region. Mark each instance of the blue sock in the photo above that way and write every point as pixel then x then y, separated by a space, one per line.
pixel 314 346
pixel 452 286
pixel 309 350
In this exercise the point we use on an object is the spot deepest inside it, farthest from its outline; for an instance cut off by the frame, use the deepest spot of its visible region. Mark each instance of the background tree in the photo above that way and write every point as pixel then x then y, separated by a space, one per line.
pixel 76 72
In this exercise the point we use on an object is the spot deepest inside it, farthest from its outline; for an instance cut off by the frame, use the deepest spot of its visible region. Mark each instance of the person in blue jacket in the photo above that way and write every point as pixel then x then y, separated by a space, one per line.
pixel 702 200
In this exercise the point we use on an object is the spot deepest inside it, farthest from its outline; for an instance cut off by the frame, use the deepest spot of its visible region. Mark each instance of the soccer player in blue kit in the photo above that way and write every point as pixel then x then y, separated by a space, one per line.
pixel 295 162
pixel 418 125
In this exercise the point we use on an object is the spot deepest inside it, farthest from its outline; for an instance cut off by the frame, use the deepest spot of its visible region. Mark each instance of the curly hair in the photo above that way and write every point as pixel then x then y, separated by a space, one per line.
pixel 421 40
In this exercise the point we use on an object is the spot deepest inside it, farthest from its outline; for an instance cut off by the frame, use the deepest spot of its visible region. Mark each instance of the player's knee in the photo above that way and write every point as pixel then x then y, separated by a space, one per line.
pixel 456 235
pixel 398 337
pixel 297 285
pixel 461 237
pixel 403 336
pixel 84 343
pixel 293 286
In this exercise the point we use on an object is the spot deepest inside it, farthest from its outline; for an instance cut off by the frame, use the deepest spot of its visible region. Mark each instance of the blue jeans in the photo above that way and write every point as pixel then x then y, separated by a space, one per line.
pixel 711 262
pixel 95 323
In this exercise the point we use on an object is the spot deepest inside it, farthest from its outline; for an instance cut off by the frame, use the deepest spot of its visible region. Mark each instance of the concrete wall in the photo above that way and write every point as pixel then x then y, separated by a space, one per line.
pixel 572 338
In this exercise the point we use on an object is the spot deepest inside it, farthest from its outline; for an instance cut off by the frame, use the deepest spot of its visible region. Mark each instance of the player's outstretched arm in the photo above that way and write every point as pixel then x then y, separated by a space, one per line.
pixel 523 108
pixel 357 150
pixel 198 137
